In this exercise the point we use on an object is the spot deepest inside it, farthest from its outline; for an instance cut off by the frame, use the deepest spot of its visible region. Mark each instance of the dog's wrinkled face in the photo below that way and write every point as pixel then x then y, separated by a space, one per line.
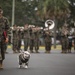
pixel 26 54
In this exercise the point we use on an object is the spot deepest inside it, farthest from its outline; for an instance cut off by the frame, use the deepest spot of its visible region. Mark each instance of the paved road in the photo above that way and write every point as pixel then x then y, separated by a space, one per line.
pixel 41 64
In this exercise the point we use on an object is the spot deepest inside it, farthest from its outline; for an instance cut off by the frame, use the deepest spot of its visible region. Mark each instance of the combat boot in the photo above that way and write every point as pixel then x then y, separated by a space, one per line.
pixel 31 51
pixel 1 66
pixel 46 51
pixel 37 51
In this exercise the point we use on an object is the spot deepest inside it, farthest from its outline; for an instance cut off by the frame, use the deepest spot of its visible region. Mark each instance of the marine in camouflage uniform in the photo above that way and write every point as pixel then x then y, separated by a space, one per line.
pixel 73 40
pixel 26 37
pixel 4 26
pixel 48 41
pixel 69 43
pixel 64 38
pixel 15 38
pixel 19 32
pixel 36 40
pixel 31 40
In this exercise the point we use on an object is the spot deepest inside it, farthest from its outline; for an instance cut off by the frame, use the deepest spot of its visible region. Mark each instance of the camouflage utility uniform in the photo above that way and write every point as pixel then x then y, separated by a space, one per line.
pixel 15 40
pixel 64 39
pixel 48 41
pixel 31 40
pixel 4 26
pixel 36 41
pixel 26 39
pixel 19 40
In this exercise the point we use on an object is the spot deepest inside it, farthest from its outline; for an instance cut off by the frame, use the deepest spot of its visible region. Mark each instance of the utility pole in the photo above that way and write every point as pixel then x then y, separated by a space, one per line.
pixel 13 17
pixel 13 12
pixel 55 25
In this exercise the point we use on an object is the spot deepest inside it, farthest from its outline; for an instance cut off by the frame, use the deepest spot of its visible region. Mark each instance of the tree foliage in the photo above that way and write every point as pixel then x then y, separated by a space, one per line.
pixel 24 11
pixel 7 8
pixel 52 8
pixel 35 11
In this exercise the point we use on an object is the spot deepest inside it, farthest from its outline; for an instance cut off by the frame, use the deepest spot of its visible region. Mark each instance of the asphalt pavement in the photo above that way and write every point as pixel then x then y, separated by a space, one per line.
pixel 41 63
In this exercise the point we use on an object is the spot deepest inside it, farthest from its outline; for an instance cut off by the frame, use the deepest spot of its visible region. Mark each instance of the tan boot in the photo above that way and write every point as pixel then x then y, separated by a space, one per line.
pixel 1 66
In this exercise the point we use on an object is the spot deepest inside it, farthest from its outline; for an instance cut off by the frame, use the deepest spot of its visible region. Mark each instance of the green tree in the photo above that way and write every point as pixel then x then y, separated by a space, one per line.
pixel 25 12
pixel 51 9
pixel 7 8
pixel 72 8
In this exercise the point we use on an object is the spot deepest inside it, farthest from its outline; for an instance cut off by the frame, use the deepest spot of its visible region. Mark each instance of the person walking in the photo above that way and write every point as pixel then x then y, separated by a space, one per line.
pixel 4 27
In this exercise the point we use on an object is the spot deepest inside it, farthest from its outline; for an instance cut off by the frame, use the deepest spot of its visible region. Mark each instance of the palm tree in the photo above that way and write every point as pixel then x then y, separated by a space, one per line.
pixel 53 8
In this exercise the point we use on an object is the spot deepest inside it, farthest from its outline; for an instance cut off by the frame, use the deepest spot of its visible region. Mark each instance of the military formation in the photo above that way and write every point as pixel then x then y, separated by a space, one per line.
pixel 29 35
pixel 31 38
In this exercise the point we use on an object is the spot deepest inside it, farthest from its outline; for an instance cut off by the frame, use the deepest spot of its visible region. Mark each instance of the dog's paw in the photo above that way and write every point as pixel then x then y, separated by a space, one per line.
pixel 20 66
pixel 26 66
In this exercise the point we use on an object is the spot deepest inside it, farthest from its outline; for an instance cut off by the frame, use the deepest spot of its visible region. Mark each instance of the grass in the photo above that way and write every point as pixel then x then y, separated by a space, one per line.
pixel 58 47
